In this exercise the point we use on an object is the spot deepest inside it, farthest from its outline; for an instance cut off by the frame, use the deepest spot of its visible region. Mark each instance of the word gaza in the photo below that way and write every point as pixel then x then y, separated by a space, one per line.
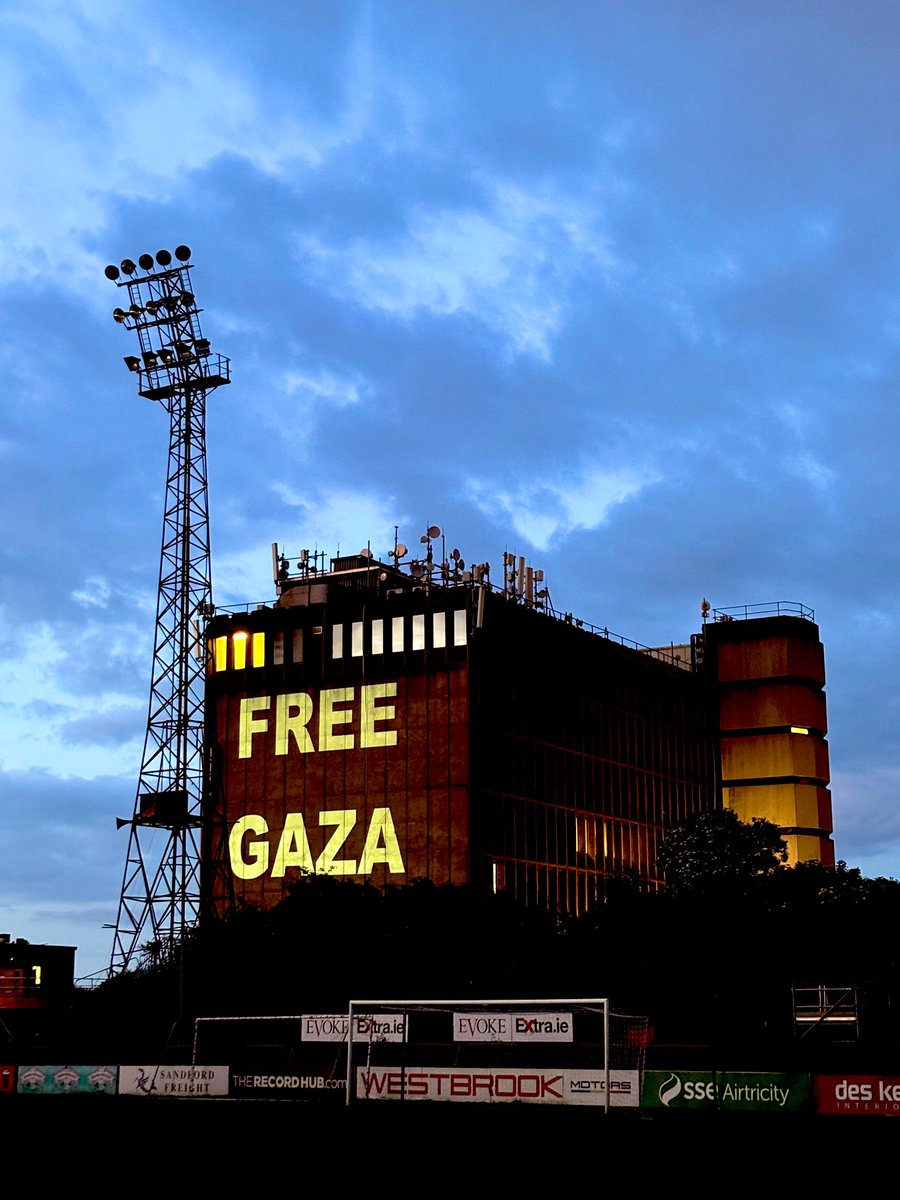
pixel 249 848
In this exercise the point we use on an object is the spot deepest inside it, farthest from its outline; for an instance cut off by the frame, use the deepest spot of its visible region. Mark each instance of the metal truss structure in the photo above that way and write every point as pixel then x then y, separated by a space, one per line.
pixel 160 898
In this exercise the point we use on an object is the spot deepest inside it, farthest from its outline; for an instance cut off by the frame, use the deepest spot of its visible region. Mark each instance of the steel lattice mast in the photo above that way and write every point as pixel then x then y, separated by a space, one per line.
pixel 160 896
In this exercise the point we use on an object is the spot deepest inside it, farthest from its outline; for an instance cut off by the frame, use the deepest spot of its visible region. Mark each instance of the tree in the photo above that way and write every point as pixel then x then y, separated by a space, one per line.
pixel 715 850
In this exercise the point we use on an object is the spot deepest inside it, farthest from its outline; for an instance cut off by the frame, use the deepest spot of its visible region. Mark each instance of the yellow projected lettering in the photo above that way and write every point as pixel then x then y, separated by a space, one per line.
pixel 343 820
pixel 257 861
pixel 370 712
pixel 293 849
pixel 381 844
pixel 329 716
pixel 298 715
pixel 248 726
pixel 293 712
pixel 250 854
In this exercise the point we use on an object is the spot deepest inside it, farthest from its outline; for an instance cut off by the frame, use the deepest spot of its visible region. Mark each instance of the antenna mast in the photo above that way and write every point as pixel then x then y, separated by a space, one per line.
pixel 160 896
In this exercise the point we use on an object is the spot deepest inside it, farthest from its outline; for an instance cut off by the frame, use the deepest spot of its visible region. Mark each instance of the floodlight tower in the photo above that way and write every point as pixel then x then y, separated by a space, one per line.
pixel 160 896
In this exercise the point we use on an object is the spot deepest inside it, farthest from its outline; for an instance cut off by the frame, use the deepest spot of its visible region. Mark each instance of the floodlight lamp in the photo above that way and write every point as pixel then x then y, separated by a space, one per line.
pixel 150 360
pixel 132 363
pixel 135 310
pixel 182 253
pixel 187 299
pixel 153 306
pixel 120 315
pixel 167 356
pixel 163 257
pixel 184 351
pixel 146 261
pixel 128 266
pixel 111 272
pixel 202 347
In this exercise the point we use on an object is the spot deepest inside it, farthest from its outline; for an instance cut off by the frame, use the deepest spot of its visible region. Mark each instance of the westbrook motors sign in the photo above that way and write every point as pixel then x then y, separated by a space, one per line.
pixel 755 1091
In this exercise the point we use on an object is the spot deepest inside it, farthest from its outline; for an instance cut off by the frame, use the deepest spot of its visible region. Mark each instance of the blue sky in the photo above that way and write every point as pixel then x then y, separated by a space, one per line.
pixel 612 285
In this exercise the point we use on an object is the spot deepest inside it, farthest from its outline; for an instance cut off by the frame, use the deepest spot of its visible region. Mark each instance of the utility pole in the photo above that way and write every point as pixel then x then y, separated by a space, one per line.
pixel 160 898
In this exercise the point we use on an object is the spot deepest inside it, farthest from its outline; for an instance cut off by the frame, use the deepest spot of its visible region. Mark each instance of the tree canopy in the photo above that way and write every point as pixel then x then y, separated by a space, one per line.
pixel 715 850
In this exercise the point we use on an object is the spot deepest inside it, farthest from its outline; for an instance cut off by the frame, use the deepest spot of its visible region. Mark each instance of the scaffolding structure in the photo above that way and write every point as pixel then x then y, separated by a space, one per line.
pixel 160 897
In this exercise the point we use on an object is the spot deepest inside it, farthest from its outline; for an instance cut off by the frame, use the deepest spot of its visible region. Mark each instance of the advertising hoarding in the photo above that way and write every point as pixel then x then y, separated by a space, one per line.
pixel 265 1084
pixel 862 1095
pixel 485 1085
pixel 513 1027
pixel 746 1091
pixel 166 1080
pixel 63 1080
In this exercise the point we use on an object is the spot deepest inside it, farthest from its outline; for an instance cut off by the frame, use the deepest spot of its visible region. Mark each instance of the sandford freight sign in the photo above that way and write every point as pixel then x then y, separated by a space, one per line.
pixel 165 1080
pixel 747 1091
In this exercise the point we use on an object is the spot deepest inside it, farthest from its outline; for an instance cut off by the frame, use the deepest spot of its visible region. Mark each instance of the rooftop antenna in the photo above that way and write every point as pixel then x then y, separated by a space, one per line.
pixel 160 898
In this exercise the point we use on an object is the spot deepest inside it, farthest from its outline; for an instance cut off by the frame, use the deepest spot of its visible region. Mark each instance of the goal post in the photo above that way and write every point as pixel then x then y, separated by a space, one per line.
pixel 556 1051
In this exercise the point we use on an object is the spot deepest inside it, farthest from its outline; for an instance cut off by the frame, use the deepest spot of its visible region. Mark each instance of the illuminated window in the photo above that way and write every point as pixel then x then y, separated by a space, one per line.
pixel 378 637
pixel 356 639
pixel 439 630
pixel 258 652
pixel 459 627
pixel 337 641
pixel 798 729
pixel 418 631
pixel 220 653
pixel 397 633
pixel 239 643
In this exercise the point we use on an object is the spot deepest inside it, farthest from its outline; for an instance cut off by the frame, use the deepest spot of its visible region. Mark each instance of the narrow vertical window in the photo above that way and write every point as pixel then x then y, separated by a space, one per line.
pixel 356 639
pixel 397 634
pixel 258 650
pixel 297 646
pixel 439 630
pixel 378 637
pixel 459 627
pixel 337 641
pixel 418 631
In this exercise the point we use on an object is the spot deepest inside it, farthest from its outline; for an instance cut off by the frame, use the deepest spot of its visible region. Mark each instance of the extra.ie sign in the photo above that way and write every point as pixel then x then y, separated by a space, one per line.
pixel 512 1027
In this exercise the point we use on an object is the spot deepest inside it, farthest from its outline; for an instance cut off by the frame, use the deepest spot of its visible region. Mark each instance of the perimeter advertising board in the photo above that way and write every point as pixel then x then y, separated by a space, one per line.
pixel 167 1080
pixel 861 1095
pixel 66 1080
pixel 366 779
pixel 756 1091
pixel 483 1085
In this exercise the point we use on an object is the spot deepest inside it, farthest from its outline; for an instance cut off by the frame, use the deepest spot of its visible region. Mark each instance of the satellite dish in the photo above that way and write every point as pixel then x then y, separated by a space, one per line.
pixel 460 564
pixel 434 531
pixel 454 554
pixel 366 553
pixel 399 551
pixel 416 569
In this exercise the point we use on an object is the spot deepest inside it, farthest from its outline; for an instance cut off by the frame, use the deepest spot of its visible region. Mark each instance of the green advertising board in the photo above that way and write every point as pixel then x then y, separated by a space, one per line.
pixel 745 1091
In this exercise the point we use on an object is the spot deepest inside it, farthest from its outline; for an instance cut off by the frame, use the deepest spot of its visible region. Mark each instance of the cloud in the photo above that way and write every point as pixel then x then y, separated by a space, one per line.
pixel 550 511
pixel 510 265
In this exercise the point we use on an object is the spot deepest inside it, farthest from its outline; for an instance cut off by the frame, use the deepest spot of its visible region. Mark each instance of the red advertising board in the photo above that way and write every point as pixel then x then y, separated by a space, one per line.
pixel 862 1095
